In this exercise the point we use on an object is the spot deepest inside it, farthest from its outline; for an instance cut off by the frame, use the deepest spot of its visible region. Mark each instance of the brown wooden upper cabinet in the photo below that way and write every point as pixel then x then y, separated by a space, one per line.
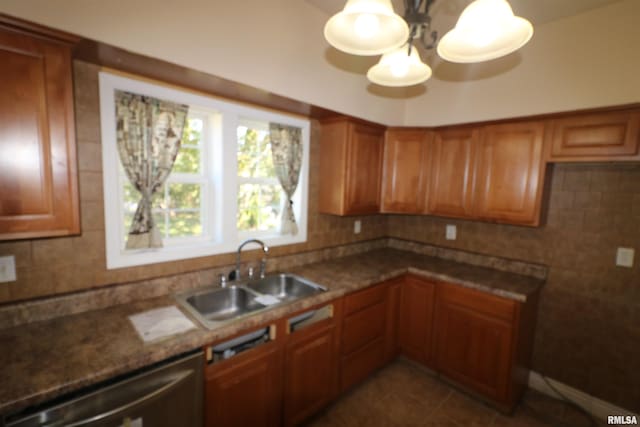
pixel 613 135
pixel 350 167
pixel 510 173
pixel 452 168
pixel 38 178
pixel 406 171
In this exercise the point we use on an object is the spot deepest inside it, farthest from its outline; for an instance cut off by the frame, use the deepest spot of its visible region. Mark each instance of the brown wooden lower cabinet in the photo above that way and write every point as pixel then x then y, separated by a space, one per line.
pixel 246 389
pixel 311 373
pixel 483 342
pixel 478 340
pixel 366 342
pixel 417 298
pixel 392 348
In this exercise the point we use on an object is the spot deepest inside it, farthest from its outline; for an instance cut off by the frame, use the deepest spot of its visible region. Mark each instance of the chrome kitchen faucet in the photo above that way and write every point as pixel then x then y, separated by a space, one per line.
pixel 263 262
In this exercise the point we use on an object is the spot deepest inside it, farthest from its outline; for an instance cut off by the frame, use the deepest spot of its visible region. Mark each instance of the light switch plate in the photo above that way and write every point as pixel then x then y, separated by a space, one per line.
pixel 452 232
pixel 7 269
pixel 357 226
pixel 624 257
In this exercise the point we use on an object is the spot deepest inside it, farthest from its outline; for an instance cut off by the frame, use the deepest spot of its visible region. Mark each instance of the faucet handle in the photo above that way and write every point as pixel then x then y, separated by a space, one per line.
pixel 222 280
pixel 250 273
pixel 263 267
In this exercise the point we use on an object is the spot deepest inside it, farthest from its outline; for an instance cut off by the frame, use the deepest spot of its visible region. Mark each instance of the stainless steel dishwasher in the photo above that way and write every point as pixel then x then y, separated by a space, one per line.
pixel 169 395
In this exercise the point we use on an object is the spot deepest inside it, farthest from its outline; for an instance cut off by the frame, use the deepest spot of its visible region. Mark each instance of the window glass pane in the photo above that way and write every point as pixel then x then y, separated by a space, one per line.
pixel 258 207
pixel 184 196
pixel 254 153
pixel 128 218
pixel 188 160
pixel 184 224
pixel 131 196
pixel 192 133
pixel 158 218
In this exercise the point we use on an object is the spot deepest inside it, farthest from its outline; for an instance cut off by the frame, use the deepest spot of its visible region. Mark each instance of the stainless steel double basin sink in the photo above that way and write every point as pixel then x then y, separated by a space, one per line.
pixel 216 306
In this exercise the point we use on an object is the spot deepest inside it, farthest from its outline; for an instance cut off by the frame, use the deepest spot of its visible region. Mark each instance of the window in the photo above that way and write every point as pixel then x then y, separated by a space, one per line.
pixel 222 188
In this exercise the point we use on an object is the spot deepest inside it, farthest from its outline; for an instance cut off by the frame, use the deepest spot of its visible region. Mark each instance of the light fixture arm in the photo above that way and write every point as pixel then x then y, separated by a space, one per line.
pixel 419 21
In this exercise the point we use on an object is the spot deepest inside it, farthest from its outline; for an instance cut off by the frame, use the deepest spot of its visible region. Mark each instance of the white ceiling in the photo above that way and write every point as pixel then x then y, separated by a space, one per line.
pixel 537 11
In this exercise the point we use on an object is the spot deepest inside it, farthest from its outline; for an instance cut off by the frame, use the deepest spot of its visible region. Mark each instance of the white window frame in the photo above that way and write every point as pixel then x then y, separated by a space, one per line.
pixel 222 235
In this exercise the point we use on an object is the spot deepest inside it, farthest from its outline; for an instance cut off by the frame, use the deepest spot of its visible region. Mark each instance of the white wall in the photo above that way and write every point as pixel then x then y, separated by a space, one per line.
pixel 589 60
pixel 276 45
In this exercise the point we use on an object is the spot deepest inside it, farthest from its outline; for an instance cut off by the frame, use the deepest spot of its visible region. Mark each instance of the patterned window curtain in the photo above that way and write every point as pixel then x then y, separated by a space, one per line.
pixel 149 132
pixel 286 149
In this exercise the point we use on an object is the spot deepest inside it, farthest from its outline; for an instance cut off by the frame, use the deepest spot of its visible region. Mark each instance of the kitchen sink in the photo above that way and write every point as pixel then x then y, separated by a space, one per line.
pixel 285 287
pixel 224 304
pixel 214 306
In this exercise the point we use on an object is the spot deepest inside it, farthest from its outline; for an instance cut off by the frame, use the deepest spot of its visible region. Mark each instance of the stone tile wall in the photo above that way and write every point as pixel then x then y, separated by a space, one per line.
pixel 54 266
pixel 588 333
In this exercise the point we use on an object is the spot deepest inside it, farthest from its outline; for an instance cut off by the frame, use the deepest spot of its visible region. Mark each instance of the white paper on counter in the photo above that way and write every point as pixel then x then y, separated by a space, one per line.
pixel 267 300
pixel 160 322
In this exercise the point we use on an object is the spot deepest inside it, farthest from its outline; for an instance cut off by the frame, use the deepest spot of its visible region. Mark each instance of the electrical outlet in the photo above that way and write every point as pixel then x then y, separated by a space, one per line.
pixel 624 257
pixel 7 269
pixel 452 232
pixel 357 226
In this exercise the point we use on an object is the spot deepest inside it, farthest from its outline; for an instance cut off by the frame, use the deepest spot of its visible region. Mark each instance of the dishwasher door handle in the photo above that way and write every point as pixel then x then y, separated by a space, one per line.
pixel 147 397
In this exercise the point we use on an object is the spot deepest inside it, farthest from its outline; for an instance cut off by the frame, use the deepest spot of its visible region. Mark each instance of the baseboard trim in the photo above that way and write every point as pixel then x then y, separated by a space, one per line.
pixel 597 407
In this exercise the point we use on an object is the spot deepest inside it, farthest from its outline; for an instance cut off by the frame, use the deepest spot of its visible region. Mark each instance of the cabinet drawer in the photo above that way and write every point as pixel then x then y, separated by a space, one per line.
pixel 363 327
pixel 593 136
pixel 360 364
pixel 478 301
pixel 361 299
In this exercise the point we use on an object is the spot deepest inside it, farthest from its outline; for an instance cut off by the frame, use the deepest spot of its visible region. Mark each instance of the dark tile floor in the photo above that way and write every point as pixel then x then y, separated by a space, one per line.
pixel 404 394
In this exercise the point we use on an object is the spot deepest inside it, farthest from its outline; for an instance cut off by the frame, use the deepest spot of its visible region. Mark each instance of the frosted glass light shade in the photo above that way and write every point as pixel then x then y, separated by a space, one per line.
pixel 486 29
pixel 398 68
pixel 366 27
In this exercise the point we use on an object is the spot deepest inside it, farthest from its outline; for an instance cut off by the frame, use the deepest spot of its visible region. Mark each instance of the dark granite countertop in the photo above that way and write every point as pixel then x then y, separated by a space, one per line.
pixel 45 359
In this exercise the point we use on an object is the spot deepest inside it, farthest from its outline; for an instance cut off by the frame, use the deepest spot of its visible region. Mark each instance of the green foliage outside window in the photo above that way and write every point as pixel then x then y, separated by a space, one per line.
pixel 259 194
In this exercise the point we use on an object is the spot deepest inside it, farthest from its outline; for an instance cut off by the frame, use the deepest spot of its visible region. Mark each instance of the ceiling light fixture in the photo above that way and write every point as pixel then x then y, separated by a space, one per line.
pixel 486 29
pixel 400 67
pixel 366 27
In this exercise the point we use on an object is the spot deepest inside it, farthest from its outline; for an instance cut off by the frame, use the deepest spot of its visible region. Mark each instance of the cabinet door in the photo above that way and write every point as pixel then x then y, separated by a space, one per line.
pixel 38 178
pixel 245 390
pixel 406 167
pixel 589 137
pixel 393 307
pixel 453 157
pixel 363 327
pixel 364 170
pixel 333 167
pixel 509 180
pixel 415 321
pixel 359 365
pixel 311 374
pixel 473 349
